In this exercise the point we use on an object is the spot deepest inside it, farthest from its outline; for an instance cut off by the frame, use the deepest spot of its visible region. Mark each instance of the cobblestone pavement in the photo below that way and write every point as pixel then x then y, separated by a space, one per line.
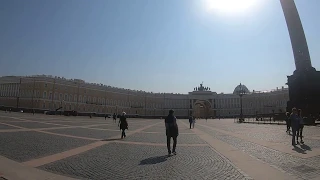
pixel 91 148
pixel 161 138
pixel 146 162
pixel 271 133
pixel 23 146
pixel 83 132
pixel 305 168
pixel 3 126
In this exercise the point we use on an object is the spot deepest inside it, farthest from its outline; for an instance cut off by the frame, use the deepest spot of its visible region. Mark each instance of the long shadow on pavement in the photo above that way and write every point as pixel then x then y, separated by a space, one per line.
pixel 305 147
pixel 114 139
pixel 153 160
pixel 299 150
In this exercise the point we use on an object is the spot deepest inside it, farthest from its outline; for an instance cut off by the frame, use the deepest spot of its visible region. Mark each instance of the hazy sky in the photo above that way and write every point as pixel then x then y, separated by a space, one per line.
pixel 153 45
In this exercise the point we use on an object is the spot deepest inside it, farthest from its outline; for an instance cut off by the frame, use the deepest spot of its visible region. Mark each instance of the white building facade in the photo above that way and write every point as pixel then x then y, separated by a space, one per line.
pixel 50 93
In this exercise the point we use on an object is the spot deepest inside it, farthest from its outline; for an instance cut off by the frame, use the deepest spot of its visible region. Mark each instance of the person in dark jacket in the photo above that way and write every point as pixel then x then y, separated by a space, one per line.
pixel 114 117
pixel 295 123
pixel 190 121
pixel 171 131
pixel 301 125
pixel 123 124
pixel 288 122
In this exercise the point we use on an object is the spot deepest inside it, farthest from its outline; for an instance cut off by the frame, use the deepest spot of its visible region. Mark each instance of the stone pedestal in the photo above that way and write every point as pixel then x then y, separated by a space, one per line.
pixel 304 92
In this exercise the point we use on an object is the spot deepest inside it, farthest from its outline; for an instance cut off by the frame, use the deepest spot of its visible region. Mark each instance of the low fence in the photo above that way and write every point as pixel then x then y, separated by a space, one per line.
pixel 272 120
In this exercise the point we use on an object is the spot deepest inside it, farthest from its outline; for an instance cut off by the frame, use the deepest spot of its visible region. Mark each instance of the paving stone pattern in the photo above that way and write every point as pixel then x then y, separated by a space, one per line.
pixel 273 133
pixel 84 132
pixel 122 161
pixel 115 127
pixel 23 146
pixel 76 123
pixel 162 138
pixel 283 161
pixel 161 129
pixel 3 126
pixel 33 125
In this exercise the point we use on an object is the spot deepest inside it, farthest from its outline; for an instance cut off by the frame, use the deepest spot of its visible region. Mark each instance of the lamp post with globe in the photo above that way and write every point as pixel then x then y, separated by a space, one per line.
pixel 241 91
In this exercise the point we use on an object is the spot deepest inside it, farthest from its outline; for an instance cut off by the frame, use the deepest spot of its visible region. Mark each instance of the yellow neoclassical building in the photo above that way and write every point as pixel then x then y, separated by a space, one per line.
pixel 51 93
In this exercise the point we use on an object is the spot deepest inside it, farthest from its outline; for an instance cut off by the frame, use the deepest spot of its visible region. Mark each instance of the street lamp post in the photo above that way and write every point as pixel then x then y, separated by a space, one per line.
pixel 61 103
pixel 241 92
pixel 273 115
pixel 32 97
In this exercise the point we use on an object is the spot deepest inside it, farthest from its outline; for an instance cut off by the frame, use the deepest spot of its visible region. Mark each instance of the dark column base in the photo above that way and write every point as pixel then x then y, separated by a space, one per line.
pixel 304 92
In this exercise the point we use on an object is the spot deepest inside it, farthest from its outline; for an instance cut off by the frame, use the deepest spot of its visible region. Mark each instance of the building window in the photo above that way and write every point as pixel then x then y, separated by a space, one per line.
pixel 75 98
pixel 44 95
pixel 55 96
pixel 46 85
pixel 70 98
pixel 84 99
pixel 50 95
pixel 80 99
pixel 66 97
pixel 60 97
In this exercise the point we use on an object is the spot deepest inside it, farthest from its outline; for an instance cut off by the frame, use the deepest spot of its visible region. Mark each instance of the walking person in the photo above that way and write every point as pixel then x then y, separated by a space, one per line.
pixel 301 125
pixel 123 124
pixel 172 131
pixel 288 122
pixel 114 117
pixel 294 118
pixel 191 121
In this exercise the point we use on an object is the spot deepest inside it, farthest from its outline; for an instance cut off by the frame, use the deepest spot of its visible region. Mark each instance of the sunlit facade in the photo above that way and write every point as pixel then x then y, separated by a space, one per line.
pixel 50 93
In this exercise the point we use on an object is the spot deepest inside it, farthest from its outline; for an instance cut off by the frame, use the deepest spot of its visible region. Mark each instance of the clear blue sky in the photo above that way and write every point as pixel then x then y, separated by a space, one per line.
pixel 157 45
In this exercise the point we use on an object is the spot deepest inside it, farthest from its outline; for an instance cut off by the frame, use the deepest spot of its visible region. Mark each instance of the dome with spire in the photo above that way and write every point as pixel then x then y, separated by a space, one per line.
pixel 241 88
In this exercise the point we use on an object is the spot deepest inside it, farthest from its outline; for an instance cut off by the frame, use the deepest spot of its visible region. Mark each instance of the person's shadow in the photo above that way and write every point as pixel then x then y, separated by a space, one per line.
pixel 299 150
pixel 302 149
pixel 114 139
pixel 305 147
pixel 153 160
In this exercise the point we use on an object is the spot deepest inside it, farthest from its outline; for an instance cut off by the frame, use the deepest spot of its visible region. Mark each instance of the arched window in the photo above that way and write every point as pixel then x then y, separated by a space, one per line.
pixel 44 95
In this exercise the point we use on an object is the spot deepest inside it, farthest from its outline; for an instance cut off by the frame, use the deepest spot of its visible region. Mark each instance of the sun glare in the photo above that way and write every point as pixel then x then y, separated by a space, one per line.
pixel 229 6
